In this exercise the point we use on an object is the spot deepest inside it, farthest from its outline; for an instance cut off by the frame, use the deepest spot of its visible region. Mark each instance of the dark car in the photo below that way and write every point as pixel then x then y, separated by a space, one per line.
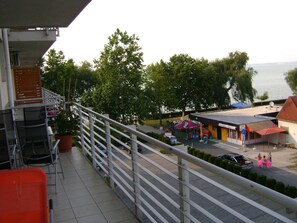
pixel 238 159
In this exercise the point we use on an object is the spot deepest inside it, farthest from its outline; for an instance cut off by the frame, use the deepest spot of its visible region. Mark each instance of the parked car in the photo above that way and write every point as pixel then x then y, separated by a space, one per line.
pixel 238 159
pixel 172 138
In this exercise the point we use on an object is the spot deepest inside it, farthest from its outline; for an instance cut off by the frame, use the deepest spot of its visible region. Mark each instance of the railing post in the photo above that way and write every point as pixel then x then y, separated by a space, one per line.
pixel 184 191
pixel 93 148
pixel 82 140
pixel 135 169
pixel 109 153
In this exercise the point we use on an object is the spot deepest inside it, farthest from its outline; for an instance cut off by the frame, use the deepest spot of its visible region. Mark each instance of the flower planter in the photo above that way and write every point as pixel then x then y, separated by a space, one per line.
pixel 65 144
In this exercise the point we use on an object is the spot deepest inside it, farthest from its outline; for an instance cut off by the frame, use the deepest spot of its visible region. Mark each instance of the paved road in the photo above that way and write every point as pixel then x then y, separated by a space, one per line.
pixel 284 160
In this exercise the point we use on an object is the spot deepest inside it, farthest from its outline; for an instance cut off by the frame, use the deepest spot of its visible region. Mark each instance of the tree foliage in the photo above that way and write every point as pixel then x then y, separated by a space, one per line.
pixel 120 70
pixel 263 97
pixel 64 77
pixel 291 79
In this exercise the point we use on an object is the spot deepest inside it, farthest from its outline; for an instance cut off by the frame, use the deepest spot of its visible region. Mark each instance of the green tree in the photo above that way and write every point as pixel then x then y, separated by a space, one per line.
pixel 59 74
pixel 180 76
pixel 65 78
pixel 156 88
pixel 263 97
pixel 232 75
pixel 291 78
pixel 119 70
pixel 86 79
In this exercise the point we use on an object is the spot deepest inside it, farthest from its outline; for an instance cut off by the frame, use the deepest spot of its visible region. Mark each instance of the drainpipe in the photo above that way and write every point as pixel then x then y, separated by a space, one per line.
pixel 8 68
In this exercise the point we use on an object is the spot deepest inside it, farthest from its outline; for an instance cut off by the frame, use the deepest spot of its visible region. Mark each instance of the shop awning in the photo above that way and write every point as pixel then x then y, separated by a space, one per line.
pixel 264 128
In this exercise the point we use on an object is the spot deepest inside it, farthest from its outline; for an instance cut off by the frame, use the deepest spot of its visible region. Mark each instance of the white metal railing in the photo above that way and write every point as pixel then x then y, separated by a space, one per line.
pixel 174 187
pixel 48 99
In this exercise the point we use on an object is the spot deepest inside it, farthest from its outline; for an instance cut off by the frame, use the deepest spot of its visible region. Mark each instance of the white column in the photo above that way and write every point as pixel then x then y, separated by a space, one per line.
pixel 8 68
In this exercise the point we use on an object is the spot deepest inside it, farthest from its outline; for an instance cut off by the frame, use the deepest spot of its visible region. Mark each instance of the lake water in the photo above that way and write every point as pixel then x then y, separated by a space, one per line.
pixel 270 78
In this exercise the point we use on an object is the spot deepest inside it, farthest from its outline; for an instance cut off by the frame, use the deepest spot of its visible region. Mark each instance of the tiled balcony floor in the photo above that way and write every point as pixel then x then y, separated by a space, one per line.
pixel 83 196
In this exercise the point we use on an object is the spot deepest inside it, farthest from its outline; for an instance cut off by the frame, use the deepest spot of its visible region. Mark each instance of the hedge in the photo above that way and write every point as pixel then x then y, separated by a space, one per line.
pixel 280 187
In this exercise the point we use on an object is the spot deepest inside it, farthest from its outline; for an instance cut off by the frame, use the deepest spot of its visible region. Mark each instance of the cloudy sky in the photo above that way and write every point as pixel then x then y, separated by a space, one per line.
pixel 264 29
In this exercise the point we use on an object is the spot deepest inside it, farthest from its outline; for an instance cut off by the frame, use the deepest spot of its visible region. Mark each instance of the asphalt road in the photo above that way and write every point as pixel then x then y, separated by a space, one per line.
pixel 284 160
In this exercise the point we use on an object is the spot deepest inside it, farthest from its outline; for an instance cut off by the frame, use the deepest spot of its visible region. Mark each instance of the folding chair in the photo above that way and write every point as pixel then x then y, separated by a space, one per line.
pixel 35 115
pixel 36 147
pixel 7 149
pixel 7 152
pixel 23 195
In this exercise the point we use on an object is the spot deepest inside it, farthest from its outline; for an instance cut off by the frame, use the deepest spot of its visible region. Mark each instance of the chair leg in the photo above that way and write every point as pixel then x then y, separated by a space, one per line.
pixel 61 167
pixel 51 210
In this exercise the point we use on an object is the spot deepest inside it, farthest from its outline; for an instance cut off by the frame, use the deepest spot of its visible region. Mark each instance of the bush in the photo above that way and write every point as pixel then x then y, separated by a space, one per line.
pixel 291 191
pixel 261 179
pixel 191 150
pixel 230 166
pixel 237 169
pixel 224 164
pixel 245 173
pixel 279 187
pixel 163 151
pixel 206 156
pixel 212 159
pixel 196 152
pixel 252 176
pixel 200 155
pixel 270 183
pixel 218 161
pixel 153 135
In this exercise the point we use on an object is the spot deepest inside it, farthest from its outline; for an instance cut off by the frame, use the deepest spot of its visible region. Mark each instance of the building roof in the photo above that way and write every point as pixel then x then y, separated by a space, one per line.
pixel 266 127
pixel 240 116
pixel 289 110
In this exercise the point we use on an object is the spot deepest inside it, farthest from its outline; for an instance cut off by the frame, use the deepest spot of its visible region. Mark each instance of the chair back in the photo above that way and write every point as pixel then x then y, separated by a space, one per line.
pixel 34 143
pixel 4 151
pixel 6 129
pixel 35 115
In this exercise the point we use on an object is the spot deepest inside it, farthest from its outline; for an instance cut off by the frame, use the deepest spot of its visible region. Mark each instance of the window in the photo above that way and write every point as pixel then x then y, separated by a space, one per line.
pixel 233 134
pixel 254 135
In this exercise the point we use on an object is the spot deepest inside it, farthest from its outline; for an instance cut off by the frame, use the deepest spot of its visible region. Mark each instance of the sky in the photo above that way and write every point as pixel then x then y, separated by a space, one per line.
pixel 210 29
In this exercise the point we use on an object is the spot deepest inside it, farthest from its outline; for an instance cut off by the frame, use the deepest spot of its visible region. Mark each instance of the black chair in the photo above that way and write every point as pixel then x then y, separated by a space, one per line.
pixel 35 115
pixel 7 141
pixel 7 152
pixel 36 147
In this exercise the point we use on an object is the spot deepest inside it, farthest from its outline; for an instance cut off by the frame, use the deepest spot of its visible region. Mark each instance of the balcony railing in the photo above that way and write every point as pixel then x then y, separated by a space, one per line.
pixel 48 99
pixel 161 183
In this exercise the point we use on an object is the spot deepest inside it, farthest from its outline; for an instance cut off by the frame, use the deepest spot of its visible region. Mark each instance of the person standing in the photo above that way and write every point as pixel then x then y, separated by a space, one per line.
pixel 269 157
pixel 259 157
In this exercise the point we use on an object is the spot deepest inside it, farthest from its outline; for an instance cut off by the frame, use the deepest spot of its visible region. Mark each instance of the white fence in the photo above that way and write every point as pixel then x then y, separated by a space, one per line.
pixel 173 187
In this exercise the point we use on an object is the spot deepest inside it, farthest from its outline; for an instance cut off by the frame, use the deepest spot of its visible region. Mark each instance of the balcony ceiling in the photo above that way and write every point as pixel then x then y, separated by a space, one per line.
pixel 39 13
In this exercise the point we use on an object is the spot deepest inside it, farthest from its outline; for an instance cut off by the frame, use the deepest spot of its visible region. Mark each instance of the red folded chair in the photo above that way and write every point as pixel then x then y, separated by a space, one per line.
pixel 23 196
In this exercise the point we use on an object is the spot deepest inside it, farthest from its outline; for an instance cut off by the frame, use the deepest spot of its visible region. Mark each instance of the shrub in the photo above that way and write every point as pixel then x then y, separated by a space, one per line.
pixel 279 187
pixel 218 161
pixel 206 156
pixel 163 151
pixel 153 135
pixel 291 191
pixel 200 155
pixel 252 176
pixel 224 164
pixel 270 183
pixel 196 152
pixel 212 159
pixel 237 169
pixel 261 179
pixel 245 173
pixel 191 150
pixel 230 166
pixel 166 140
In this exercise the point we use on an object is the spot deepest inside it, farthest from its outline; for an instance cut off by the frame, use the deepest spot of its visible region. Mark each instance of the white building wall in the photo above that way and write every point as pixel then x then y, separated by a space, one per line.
pixel 292 130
